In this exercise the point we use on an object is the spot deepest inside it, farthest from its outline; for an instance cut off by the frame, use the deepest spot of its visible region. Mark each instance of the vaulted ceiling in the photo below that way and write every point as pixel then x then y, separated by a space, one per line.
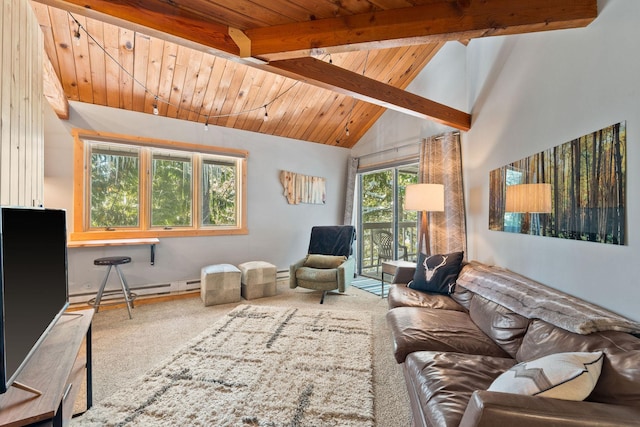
pixel 315 70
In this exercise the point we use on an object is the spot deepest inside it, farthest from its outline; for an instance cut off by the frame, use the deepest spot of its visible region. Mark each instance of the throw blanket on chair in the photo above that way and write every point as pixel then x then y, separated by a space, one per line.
pixel 537 301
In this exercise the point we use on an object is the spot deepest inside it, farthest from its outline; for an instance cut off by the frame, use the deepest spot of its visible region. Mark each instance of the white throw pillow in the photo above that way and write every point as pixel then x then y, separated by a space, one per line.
pixel 568 376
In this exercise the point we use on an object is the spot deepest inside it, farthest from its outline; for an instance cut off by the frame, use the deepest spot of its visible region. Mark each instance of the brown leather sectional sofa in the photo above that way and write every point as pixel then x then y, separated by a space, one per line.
pixel 452 348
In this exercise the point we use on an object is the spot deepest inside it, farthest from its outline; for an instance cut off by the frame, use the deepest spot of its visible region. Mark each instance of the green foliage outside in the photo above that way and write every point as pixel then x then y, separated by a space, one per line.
pixel 114 190
pixel 219 190
pixel 378 204
pixel 171 192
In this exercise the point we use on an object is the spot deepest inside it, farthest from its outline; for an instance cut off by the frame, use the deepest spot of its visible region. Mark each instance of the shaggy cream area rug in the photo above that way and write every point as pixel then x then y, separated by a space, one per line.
pixel 257 366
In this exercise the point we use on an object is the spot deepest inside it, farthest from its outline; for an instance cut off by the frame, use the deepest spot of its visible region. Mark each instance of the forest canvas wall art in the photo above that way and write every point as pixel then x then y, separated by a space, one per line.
pixel 588 189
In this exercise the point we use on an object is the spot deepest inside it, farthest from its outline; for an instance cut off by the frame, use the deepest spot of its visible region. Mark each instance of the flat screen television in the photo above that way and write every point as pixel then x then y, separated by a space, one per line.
pixel 33 283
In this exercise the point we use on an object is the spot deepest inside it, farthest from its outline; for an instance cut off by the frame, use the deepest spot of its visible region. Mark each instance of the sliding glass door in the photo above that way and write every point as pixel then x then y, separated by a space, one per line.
pixel 386 231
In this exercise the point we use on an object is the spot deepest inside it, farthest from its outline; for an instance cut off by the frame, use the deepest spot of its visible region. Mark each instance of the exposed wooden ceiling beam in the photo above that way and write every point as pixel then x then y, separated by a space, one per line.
pixel 328 76
pixel 438 21
pixel 53 90
pixel 158 19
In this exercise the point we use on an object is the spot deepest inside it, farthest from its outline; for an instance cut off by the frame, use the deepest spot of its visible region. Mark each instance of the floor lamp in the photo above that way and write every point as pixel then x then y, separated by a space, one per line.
pixel 424 198
pixel 528 199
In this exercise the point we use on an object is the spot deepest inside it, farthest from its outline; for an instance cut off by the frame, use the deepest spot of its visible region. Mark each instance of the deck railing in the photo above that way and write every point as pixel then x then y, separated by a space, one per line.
pixel 408 237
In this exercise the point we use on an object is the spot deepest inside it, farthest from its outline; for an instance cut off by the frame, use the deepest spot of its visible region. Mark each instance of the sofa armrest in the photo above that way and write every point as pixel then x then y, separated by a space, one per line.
pixel 293 282
pixel 403 274
pixel 346 271
pixel 488 408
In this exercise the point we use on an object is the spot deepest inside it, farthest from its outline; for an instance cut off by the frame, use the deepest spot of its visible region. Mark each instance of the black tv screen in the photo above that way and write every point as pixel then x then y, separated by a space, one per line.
pixel 33 282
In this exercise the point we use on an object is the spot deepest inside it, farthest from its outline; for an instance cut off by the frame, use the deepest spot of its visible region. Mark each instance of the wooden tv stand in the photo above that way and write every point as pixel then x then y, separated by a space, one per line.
pixel 57 370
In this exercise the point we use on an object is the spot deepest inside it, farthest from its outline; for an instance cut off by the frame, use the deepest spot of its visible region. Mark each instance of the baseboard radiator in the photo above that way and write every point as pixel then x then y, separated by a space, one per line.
pixel 158 289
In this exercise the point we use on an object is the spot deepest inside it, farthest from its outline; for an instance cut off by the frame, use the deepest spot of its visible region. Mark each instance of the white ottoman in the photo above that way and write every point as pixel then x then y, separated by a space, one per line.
pixel 258 279
pixel 219 284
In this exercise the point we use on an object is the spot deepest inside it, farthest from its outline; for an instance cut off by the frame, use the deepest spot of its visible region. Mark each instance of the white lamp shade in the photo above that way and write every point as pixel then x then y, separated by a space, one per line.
pixel 424 197
pixel 528 198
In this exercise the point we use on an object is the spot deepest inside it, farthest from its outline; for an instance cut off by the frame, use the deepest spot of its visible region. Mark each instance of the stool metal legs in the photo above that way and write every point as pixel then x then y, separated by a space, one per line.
pixel 128 297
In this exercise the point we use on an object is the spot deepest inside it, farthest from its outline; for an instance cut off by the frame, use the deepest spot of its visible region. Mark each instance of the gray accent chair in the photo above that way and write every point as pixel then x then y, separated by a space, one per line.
pixel 329 265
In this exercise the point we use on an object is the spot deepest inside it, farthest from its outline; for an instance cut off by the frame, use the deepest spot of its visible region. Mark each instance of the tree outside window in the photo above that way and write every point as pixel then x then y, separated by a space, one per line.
pixel 171 190
pixel 127 187
pixel 114 184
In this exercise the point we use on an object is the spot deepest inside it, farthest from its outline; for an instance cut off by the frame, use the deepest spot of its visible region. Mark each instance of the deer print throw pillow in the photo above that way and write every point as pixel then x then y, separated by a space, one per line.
pixel 437 273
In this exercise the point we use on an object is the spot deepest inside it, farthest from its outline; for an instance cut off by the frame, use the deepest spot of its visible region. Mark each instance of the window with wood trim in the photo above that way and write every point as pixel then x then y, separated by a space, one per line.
pixel 131 187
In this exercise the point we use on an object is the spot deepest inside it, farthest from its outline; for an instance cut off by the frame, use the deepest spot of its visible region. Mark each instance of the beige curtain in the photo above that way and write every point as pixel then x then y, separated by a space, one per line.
pixel 352 170
pixel 441 163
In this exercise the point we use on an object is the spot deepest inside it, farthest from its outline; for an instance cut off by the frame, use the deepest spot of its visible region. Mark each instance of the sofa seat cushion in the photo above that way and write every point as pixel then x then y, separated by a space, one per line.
pixel 418 329
pixel 316 274
pixel 403 296
pixel 619 381
pixel 442 383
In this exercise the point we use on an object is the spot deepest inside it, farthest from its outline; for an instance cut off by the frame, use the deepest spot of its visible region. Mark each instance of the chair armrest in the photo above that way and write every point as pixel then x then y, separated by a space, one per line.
pixel 345 274
pixel 293 282
pixel 488 408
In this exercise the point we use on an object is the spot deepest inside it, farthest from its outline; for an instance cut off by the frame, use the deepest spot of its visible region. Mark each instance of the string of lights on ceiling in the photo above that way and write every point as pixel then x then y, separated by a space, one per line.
pixel 157 98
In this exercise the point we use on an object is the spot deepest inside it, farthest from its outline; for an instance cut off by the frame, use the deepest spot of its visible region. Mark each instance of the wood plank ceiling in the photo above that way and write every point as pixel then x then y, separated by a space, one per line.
pixel 314 70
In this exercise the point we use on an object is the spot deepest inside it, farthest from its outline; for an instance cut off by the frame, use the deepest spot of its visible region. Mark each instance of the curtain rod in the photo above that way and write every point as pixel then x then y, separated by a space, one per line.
pixel 402 146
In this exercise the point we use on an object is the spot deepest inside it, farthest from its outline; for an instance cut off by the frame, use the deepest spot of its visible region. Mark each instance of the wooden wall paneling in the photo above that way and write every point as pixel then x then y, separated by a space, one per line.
pixel 21 105
pixel 322 116
pixel 36 121
pixel 154 72
pixel 97 60
pixel 354 116
pixel 189 85
pixel 82 58
pixel 304 111
pixel 112 71
pixel 236 83
pixel 228 70
pixel 202 78
pixel 5 103
pixel 142 43
pixel 255 98
pixel 60 22
pixel 17 168
pixel 126 41
pixel 169 57
pixel 280 106
pixel 28 137
pixel 24 97
pixel 293 12
pixel 179 75
pixel 239 104
pixel 217 69
pixel 271 87
pixel 337 108
pixel 41 11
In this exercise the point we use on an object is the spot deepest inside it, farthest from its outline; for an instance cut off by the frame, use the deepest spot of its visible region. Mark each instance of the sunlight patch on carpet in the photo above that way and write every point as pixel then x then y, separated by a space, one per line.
pixel 257 366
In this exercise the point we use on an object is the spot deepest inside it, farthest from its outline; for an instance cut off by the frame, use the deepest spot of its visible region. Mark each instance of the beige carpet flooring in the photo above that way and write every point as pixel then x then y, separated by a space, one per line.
pixel 124 349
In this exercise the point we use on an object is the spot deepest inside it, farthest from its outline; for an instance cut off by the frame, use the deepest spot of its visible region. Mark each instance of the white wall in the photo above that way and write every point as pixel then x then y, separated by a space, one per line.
pixel 528 93
pixel 278 232
pixel 443 80
pixel 533 92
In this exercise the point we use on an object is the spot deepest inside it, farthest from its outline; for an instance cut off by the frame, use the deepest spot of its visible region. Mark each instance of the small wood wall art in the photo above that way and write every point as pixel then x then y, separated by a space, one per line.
pixel 300 188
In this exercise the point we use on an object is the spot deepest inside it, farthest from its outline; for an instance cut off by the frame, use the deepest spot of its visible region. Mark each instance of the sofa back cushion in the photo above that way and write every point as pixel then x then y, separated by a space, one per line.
pixel 619 381
pixel 462 296
pixel 502 325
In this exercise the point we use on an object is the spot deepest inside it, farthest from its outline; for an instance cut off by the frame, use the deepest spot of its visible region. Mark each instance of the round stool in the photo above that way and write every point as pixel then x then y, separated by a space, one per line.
pixel 113 261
